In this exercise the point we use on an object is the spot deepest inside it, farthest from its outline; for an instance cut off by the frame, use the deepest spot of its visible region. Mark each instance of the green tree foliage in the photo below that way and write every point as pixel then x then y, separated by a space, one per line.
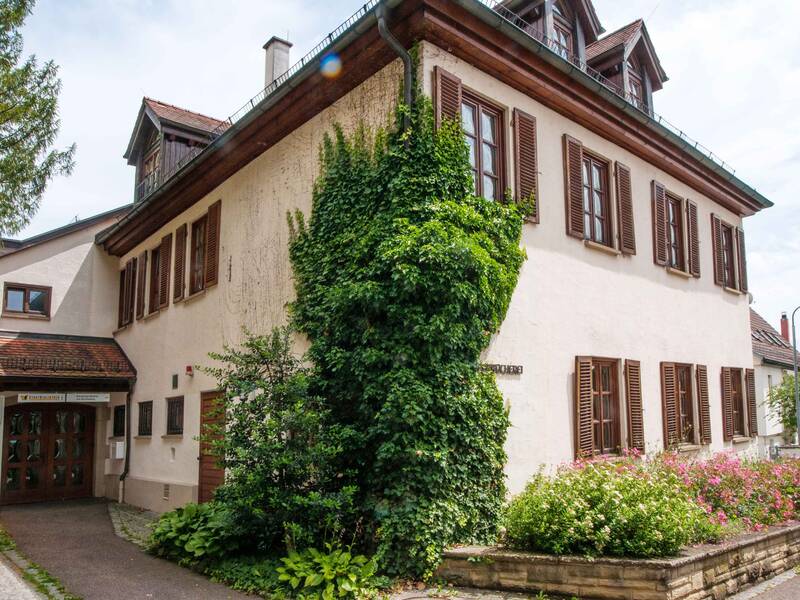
pixel 402 275
pixel 28 123
pixel 279 448
pixel 782 409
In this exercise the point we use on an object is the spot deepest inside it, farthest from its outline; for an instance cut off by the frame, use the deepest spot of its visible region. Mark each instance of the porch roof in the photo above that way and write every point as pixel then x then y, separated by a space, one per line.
pixel 33 360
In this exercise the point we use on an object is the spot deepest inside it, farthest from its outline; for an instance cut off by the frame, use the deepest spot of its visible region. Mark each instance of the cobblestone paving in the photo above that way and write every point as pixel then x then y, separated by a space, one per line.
pixel 12 586
pixel 131 523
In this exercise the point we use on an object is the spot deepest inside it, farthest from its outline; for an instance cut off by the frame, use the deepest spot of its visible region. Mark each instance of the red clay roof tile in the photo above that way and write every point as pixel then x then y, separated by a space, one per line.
pixel 45 355
pixel 616 38
pixel 768 343
pixel 179 115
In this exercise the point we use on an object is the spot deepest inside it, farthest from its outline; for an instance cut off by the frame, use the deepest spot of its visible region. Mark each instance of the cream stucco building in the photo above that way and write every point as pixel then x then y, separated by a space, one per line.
pixel 630 325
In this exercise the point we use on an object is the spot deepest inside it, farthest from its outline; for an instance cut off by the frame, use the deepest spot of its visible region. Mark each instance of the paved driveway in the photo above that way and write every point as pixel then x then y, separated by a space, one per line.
pixel 75 542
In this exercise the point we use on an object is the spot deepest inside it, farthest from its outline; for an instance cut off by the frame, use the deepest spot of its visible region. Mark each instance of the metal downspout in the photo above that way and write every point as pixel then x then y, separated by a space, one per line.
pixel 123 476
pixel 408 66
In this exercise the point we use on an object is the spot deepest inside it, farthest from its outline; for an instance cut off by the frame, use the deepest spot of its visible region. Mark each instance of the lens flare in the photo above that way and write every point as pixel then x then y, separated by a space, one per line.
pixel 331 66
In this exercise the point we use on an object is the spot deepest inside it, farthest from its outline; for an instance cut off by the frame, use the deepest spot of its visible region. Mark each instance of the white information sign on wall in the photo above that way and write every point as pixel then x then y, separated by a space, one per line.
pixel 92 397
pixel 89 397
pixel 41 397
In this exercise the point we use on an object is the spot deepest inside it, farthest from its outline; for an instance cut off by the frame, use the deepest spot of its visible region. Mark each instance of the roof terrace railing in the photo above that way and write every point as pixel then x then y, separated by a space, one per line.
pixel 147 187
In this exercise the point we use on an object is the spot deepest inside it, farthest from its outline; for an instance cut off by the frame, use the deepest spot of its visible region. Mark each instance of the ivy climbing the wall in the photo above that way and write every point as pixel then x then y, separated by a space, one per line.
pixel 402 276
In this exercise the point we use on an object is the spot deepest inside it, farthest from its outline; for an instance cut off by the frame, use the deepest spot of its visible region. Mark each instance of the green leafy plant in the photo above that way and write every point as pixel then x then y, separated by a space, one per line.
pixel 336 573
pixel 280 448
pixel 196 533
pixel 781 405
pixel 607 509
pixel 248 574
pixel 402 275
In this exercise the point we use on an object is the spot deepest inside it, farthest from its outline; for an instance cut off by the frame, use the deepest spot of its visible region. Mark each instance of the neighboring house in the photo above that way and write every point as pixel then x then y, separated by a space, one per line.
pixel 629 325
pixel 60 369
pixel 773 360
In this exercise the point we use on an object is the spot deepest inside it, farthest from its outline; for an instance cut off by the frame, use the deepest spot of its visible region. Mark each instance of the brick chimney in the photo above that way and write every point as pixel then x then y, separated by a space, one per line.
pixel 277 59
pixel 785 327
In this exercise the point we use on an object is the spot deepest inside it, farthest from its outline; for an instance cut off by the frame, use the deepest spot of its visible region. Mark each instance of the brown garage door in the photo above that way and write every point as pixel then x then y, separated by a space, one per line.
pixel 48 453
pixel 211 474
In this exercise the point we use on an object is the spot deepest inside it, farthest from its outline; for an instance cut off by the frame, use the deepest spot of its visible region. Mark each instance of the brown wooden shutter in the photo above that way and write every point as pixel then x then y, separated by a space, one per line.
pixel 727 405
pixel 693 239
pixel 669 404
pixel 703 408
pixel 140 285
pixel 742 259
pixel 180 263
pixel 130 289
pixel 633 394
pixel 165 256
pixel 719 259
pixel 121 307
pixel 573 185
pixel 212 244
pixel 750 390
pixel 448 96
pixel 627 233
pixel 660 239
pixel 584 427
pixel 526 184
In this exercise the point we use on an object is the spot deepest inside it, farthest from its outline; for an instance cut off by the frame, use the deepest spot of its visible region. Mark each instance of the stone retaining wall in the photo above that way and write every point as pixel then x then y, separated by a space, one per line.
pixel 703 572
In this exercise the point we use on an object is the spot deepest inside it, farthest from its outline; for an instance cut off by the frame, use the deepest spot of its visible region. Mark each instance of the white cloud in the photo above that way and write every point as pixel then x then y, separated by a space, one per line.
pixel 734 68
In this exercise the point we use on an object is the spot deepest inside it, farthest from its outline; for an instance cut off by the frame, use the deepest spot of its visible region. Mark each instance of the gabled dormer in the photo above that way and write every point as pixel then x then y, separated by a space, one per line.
pixel 164 138
pixel 629 61
pixel 566 26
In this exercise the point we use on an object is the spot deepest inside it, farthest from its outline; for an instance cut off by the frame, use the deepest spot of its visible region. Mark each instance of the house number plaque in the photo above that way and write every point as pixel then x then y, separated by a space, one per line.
pixel 504 369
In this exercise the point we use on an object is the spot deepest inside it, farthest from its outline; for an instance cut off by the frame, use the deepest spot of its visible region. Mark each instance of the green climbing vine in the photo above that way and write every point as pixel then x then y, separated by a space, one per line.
pixel 402 275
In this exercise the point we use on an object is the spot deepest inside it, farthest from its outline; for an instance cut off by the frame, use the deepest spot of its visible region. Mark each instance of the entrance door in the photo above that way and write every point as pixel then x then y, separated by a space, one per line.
pixel 48 454
pixel 211 475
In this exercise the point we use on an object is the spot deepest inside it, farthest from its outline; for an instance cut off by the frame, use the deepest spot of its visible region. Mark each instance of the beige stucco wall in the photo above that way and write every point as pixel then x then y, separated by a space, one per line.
pixel 83 278
pixel 574 300
pixel 571 300
pixel 255 284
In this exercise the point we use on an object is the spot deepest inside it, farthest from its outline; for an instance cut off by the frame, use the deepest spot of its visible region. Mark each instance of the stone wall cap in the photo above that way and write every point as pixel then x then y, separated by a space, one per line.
pixel 687 556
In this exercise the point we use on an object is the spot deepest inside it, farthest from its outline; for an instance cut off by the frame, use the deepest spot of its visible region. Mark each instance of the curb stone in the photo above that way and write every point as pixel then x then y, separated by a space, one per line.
pixel 28 570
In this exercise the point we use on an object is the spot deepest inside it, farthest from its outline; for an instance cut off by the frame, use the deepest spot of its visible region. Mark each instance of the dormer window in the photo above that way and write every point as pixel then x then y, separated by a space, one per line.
pixel 562 32
pixel 635 89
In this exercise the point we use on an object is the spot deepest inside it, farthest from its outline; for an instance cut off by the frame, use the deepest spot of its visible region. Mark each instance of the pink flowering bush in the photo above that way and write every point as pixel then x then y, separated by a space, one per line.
pixel 740 494
pixel 636 508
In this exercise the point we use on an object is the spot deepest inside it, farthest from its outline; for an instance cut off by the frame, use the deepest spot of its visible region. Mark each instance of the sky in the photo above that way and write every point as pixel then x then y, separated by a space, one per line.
pixel 734 69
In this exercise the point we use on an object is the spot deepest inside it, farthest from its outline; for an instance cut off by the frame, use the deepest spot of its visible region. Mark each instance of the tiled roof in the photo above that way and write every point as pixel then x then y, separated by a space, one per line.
pixel 620 37
pixel 175 114
pixel 768 343
pixel 39 355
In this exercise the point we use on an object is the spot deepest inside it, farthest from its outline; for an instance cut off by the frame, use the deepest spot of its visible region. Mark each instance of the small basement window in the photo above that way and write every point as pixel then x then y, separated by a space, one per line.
pixel 23 300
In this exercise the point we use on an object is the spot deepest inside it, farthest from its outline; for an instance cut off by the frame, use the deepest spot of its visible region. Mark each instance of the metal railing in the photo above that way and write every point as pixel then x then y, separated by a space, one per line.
pixel 147 187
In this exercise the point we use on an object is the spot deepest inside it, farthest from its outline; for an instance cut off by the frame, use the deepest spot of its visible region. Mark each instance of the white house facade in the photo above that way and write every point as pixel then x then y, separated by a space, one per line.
pixel 630 325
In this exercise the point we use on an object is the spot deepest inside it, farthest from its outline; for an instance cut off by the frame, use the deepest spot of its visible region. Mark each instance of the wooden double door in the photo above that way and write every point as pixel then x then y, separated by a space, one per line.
pixel 48 452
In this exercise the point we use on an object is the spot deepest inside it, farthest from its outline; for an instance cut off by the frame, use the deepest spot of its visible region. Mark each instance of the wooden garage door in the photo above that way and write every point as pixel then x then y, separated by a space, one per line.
pixel 48 452
pixel 211 474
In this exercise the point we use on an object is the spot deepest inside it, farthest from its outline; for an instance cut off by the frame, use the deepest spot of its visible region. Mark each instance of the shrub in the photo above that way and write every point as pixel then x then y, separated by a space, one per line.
pixel 196 533
pixel 280 448
pixel 248 574
pixel 607 509
pixel 333 574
